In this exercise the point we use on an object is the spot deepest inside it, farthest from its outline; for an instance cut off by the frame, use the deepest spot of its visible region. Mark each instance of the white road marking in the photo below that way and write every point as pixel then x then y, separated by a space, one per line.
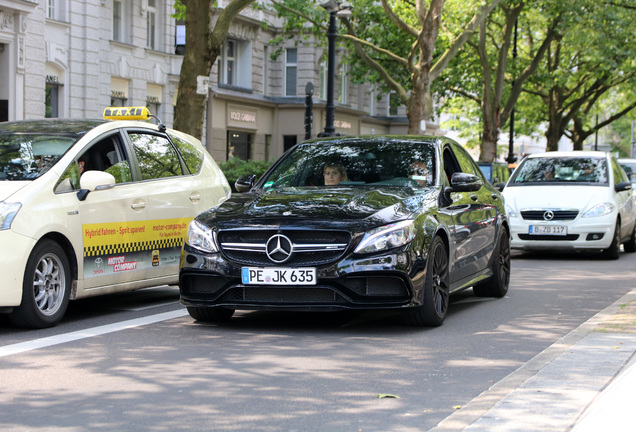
pixel 87 333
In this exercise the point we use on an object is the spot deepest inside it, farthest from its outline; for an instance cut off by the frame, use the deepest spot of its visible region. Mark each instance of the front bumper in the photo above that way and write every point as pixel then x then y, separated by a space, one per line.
pixel 592 234
pixel 14 253
pixel 385 281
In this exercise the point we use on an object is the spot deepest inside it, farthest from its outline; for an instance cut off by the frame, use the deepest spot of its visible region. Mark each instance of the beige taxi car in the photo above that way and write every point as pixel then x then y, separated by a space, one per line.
pixel 90 207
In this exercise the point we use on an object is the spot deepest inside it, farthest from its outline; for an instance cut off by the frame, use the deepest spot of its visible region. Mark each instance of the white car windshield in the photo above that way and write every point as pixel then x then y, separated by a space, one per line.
pixel 551 170
pixel 28 156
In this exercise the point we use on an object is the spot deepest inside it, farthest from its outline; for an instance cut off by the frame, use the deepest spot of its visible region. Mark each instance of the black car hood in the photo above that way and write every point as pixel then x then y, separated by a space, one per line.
pixel 319 206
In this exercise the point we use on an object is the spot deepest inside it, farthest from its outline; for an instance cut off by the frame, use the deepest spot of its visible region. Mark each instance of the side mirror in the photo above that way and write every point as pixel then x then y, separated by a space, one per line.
pixel 623 186
pixel 464 182
pixel 500 186
pixel 245 183
pixel 94 180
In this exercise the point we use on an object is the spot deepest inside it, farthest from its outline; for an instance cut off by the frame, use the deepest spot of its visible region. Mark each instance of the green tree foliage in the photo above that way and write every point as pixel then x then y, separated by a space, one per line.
pixel 235 168
pixel 593 55
pixel 402 45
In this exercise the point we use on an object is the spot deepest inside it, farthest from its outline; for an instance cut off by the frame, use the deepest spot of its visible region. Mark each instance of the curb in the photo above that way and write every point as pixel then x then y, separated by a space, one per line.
pixel 513 394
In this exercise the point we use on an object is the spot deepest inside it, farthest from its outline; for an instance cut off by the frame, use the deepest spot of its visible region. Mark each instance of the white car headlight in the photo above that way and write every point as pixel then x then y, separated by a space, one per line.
pixel 201 237
pixel 600 210
pixel 387 237
pixel 7 214
pixel 511 212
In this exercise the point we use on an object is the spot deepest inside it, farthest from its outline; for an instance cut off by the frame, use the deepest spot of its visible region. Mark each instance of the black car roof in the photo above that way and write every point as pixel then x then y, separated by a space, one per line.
pixel 50 126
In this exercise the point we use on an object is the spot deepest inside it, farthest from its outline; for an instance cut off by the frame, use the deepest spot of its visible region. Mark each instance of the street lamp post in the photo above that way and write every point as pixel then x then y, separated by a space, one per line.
pixel 335 8
pixel 511 143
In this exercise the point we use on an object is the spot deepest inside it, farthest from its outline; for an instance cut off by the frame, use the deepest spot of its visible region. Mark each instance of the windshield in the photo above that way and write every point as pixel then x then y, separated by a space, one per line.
pixel 28 156
pixel 359 163
pixel 550 170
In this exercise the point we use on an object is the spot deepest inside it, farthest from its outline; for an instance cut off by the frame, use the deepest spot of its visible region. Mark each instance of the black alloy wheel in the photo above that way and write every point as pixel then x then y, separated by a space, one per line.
pixel 497 285
pixel 436 289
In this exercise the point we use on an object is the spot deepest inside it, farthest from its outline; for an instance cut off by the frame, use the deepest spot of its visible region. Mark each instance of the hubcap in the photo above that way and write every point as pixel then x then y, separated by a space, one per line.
pixel 49 283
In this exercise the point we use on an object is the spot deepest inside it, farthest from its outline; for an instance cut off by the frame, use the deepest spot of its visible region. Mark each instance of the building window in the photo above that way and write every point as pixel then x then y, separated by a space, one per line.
pixel 343 97
pixel 121 18
pixel 229 63
pixel 239 145
pixel 118 92
pixel 268 147
pixel 153 98
pixel 265 69
pixel 291 68
pixel 235 67
pixel 56 9
pixel 394 103
pixel 323 80
pixel 52 100
pixel 289 141
pixel 180 37
pixel 152 24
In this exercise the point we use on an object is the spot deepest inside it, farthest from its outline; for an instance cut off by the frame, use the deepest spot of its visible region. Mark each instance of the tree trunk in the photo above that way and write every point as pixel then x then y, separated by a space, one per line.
pixel 197 61
pixel 417 111
pixel 490 136
pixel 555 118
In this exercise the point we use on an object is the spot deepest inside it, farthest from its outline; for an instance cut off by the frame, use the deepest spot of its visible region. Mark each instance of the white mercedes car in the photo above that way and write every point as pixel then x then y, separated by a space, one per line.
pixel 92 207
pixel 567 201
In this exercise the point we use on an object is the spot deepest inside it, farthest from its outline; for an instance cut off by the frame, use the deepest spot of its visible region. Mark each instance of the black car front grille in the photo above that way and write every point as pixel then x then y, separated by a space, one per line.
pixel 310 247
pixel 283 295
pixel 555 214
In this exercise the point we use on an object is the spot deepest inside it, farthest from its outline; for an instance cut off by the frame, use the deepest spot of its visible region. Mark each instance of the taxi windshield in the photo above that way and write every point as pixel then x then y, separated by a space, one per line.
pixel 28 156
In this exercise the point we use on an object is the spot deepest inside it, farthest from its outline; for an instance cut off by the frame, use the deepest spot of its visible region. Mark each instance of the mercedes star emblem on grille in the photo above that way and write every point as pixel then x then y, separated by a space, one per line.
pixel 548 215
pixel 279 248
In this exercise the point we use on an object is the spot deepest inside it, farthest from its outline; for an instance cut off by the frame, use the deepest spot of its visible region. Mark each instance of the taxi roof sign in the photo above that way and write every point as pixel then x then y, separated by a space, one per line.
pixel 127 113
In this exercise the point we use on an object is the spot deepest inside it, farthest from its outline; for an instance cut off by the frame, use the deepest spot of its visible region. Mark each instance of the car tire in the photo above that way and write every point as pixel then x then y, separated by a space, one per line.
pixel 630 245
pixel 497 285
pixel 613 252
pixel 207 314
pixel 46 288
pixel 433 311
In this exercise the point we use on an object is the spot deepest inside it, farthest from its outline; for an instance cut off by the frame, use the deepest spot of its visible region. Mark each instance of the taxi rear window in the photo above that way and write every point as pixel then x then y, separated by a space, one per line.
pixel 192 156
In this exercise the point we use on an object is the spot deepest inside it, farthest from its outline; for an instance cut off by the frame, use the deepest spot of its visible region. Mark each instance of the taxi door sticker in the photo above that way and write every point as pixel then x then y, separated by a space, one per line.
pixel 111 248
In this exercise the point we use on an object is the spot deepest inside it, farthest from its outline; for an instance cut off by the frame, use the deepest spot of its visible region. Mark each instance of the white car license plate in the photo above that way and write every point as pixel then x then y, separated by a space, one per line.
pixel 556 230
pixel 278 276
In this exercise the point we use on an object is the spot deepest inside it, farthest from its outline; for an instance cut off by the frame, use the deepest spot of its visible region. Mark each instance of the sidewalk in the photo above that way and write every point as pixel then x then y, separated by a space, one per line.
pixel 585 382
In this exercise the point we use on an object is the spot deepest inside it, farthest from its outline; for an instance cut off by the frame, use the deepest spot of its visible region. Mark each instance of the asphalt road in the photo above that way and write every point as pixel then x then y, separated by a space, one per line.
pixel 136 361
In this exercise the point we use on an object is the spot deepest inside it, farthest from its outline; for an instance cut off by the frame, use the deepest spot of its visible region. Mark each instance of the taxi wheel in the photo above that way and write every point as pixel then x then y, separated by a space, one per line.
pixel 497 285
pixel 613 252
pixel 46 288
pixel 210 314
pixel 436 289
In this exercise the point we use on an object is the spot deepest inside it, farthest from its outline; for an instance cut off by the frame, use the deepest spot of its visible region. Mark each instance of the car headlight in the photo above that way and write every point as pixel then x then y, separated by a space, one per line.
pixel 511 212
pixel 600 210
pixel 7 214
pixel 201 237
pixel 387 237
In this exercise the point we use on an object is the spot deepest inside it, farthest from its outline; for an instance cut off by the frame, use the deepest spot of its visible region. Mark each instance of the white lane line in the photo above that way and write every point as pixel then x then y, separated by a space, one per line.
pixel 82 334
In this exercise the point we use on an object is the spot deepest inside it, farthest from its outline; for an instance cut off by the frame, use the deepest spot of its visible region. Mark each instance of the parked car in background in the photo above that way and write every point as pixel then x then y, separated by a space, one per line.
pixel 91 207
pixel 497 173
pixel 571 201
pixel 360 222
pixel 629 165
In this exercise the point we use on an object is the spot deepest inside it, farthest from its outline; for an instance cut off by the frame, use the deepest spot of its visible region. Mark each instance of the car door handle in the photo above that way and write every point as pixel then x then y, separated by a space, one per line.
pixel 195 197
pixel 474 197
pixel 138 205
pixel 494 196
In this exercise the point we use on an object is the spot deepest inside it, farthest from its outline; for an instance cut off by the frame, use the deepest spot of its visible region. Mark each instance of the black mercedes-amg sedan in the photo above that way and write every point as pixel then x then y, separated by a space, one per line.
pixel 358 222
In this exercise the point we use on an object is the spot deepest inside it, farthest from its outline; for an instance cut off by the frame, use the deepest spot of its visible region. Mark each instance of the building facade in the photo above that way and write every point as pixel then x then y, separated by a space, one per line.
pixel 71 58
